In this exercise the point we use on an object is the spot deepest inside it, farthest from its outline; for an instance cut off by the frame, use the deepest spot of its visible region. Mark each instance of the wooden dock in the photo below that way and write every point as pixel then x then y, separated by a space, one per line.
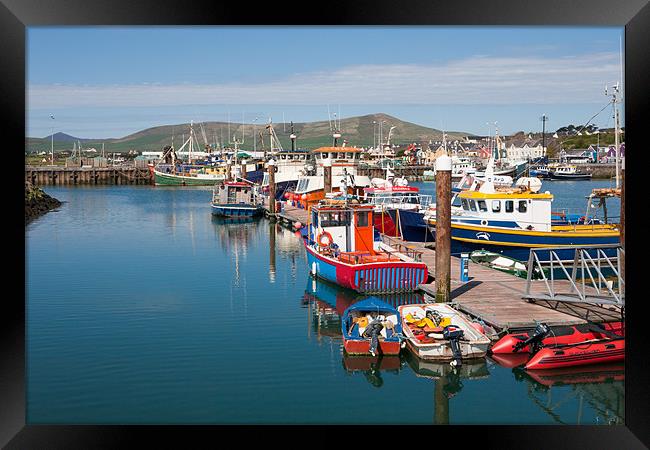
pixel 495 297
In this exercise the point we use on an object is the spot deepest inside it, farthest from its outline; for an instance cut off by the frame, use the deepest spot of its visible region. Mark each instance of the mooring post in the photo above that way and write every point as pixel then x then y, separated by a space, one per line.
pixel 271 170
pixel 443 228
pixel 327 173
pixel 622 224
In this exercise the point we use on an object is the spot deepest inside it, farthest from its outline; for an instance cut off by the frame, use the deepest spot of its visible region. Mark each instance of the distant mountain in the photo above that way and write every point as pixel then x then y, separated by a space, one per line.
pixel 62 137
pixel 357 131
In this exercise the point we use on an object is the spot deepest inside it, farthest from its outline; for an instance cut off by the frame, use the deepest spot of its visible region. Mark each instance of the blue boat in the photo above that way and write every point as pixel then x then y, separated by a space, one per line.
pixel 235 199
pixel 371 326
pixel 512 222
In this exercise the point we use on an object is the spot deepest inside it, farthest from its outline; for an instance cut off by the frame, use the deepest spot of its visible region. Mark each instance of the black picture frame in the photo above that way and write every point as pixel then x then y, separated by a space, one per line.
pixel 16 15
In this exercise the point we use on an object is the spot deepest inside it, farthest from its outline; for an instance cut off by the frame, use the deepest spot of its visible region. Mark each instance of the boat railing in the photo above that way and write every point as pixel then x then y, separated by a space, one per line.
pixel 401 248
pixel 595 276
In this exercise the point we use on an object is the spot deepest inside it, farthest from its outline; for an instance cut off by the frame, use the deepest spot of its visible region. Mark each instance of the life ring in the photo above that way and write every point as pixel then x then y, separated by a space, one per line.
pixel 320 237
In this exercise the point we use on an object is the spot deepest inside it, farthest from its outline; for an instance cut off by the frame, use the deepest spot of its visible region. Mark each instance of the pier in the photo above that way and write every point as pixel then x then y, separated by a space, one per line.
pixel 63 176
pixel 497 298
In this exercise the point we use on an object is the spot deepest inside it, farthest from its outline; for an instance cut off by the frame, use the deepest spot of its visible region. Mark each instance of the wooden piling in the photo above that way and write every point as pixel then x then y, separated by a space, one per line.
pixel 327 173
pixel 271 170
pixel 443 228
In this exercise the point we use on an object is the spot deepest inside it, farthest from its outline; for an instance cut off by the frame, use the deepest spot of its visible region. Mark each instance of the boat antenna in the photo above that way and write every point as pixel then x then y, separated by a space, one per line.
pixel 293 138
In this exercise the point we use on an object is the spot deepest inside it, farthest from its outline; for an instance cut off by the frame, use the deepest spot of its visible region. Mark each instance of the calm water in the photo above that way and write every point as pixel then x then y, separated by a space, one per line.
pixel 142 308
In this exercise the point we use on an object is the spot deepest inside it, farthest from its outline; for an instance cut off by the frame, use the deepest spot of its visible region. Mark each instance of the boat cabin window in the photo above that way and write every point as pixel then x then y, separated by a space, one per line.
pixel 283 156
pixel 522 206
pixel 510 206
pixel 482 205
pixel 472 205
pixel 465 204
pixel 362 219
pixel 496 206
pixel 335 219
pixel 341 155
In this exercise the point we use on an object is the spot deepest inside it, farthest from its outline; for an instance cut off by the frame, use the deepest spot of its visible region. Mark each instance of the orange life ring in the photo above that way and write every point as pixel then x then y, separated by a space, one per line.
pixel 320 237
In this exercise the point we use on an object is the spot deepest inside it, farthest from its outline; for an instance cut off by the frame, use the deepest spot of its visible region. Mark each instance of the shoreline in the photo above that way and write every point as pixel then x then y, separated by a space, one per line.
pixel 37 202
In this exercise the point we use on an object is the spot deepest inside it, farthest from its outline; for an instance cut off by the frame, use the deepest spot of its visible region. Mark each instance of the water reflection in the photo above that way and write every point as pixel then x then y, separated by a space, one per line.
pixel 371 367
pixel 602 386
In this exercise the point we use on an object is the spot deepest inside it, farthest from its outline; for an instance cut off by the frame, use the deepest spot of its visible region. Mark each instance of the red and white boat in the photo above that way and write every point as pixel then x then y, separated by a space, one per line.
pixel 341 248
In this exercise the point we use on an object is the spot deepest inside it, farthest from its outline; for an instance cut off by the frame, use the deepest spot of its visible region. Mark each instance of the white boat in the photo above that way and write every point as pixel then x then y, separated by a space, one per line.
pixel 430 343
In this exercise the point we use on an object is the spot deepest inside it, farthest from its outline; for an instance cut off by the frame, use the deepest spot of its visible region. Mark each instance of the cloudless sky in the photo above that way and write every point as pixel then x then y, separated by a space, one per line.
pixel 113 81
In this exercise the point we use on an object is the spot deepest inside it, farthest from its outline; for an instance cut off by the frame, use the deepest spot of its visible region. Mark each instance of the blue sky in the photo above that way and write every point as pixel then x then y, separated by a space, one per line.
pixel 105 82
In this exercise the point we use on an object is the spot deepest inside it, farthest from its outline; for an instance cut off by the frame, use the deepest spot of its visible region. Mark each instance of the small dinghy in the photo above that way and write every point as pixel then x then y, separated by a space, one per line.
pixel 438 332
pixel 504 264
pixel 371 327
pixel 516 342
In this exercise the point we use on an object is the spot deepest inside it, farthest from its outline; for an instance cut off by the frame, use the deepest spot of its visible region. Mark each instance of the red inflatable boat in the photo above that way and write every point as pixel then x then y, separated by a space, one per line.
pixel 569 355
pixel 559 335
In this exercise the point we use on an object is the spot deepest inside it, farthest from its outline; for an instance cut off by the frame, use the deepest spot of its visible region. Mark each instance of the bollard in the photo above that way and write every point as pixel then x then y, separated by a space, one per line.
pixel 464 267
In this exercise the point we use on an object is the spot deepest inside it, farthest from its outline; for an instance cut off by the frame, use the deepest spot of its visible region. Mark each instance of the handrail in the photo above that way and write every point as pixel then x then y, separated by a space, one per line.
pixel 592 268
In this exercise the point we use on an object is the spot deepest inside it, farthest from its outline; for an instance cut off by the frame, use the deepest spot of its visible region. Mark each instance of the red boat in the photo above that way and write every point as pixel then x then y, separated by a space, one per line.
pixel 569 355
pixel 559 335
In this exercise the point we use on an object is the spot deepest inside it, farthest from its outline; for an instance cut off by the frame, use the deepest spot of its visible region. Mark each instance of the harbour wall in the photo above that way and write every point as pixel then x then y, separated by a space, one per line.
pixel 61 176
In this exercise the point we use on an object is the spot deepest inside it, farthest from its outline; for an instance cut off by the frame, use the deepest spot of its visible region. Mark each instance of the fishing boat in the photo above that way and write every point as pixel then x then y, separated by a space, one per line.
pixel 392 194
pixel 171 171
pixel 235 199
pixel 513 221
pixel 505 264
pixel 543 172
pixel 439 332
pixel 568 172
pixel 372 327
pixel 343 162
pixel 516 342
pixel 341 248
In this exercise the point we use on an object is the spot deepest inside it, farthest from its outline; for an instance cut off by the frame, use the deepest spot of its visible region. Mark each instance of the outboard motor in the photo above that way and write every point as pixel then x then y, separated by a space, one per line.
pixel 372 331
pixel 535 341
pixel 453 335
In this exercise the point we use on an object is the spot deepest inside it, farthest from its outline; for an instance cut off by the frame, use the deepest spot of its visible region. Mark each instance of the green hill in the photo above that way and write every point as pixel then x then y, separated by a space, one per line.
pixel 358 131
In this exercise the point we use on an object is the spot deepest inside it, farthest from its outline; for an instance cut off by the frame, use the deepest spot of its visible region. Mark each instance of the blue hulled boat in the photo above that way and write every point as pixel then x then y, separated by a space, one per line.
pixel 512 221
pixel 234 199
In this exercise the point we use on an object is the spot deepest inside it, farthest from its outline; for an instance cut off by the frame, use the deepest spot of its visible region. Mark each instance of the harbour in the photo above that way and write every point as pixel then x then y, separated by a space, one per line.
pixel 232 267
pixel 451 261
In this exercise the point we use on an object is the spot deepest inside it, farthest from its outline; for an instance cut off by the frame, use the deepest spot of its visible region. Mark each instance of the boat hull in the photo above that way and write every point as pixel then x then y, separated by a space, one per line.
pixel 412 226
pixel 169 179
pixel 362 347
pixel 606 351
pixel 234 210
pixel 573 177
pixel 558 335
pixel 517 243
pixel 475 344
pixel 371 278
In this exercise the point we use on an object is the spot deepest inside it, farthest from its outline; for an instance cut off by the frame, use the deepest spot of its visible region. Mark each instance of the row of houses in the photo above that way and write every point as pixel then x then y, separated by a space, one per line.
pixel 593 154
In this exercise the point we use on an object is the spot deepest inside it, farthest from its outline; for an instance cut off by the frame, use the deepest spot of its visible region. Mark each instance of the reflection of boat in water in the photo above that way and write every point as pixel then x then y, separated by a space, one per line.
pixel 600 373
pixel 510 360
pixel 341 299
pixel 372 366
pixel 472 369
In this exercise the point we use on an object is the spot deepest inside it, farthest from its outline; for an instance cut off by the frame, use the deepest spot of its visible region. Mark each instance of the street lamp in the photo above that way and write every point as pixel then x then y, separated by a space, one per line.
pixel 52 149
pixel 374 135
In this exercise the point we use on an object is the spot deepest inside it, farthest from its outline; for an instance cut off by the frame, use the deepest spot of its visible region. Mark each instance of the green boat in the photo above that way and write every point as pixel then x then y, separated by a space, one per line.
pixel 196 178
pixel 505 264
